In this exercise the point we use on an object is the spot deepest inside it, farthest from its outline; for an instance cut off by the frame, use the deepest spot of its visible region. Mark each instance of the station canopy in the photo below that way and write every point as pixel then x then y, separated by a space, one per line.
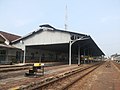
pixel 86 45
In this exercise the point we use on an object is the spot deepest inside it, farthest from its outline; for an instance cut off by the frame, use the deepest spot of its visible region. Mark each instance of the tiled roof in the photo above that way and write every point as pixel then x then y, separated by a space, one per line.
pixel 9 36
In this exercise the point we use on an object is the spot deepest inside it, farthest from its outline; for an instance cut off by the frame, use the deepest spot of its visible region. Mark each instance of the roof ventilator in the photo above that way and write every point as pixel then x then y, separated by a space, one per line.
pixel 47 27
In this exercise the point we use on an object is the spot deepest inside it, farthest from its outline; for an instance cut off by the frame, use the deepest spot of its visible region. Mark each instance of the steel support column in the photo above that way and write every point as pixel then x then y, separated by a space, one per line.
pixel 78 55
pixel 24 55
pixel 70 53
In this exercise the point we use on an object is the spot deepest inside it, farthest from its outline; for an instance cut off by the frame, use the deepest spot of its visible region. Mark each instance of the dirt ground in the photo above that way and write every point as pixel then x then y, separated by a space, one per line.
pixel 106 77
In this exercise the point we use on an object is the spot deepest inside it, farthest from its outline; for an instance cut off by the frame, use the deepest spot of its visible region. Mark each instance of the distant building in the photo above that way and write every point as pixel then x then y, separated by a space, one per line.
pixel 8 53
pixel 115 57
pixel 48 44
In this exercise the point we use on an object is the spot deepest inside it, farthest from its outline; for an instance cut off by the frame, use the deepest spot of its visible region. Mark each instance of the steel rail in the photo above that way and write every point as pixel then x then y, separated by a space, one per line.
pixel 40 86
pixel 73 82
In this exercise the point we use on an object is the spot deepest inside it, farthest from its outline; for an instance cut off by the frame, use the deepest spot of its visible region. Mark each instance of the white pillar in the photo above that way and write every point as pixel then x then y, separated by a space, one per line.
pixel 78 55
pixel 70 53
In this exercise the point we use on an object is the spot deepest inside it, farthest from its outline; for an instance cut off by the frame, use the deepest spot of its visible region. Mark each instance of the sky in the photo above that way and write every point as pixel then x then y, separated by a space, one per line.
pixel 98 18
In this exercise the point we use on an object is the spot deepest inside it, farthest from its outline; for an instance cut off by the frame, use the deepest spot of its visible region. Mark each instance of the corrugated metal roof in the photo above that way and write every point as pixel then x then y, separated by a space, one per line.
pixel 41 29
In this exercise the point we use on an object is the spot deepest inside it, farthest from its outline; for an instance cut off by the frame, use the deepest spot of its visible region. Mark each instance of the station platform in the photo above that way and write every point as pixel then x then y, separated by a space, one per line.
pixel 30 64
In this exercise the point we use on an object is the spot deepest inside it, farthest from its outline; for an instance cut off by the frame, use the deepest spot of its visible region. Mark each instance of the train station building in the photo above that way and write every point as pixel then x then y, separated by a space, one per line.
pixel 8 53
pixel 48 44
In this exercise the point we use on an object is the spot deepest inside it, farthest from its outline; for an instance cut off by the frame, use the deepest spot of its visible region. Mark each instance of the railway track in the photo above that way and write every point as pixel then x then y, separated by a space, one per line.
pixel 12 72
pixel 63 81
pixel 9 68
pixel 117 65
pixel 15 68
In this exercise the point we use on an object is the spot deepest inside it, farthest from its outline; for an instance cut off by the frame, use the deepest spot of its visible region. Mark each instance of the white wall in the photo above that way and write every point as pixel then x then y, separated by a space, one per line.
pixel 45 37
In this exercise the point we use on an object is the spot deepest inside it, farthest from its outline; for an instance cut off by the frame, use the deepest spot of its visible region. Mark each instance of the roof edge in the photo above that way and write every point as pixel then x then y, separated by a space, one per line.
pixel 41 29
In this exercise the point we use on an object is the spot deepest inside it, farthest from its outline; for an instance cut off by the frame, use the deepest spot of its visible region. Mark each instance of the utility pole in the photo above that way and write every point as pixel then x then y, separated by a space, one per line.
pixel 66 18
